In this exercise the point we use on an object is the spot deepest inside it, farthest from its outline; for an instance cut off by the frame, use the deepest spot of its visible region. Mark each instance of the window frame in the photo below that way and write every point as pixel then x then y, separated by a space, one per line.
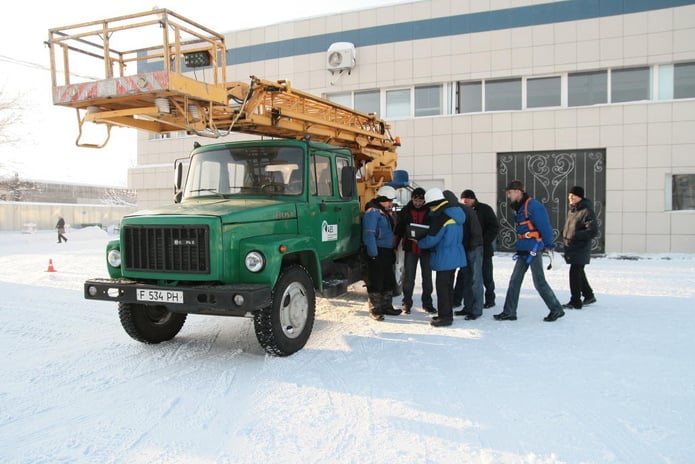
pixel 606 90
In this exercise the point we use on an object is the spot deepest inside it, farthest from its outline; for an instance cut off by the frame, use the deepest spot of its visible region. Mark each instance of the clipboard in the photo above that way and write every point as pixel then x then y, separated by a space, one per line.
pixel 417 231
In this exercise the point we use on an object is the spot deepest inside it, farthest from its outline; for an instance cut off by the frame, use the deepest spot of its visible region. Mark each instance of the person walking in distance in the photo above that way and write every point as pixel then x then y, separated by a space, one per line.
pixel 378 238
pixel 534 234
pixel 415 212
pixel 445 239
pixel 60 227
pixel 580 228
pixel 491 226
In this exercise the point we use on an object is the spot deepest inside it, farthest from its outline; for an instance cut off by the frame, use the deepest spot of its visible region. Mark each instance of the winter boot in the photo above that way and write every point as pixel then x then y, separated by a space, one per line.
pixel 374 303
pixel 387 305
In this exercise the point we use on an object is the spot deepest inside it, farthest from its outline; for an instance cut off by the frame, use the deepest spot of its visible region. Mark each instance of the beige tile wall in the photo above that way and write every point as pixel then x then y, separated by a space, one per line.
pixel 645 142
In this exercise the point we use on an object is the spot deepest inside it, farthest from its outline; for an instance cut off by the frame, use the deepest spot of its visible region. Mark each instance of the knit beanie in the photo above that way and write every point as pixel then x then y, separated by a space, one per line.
pixel 468 194
pixel 418 193
pixel 577 191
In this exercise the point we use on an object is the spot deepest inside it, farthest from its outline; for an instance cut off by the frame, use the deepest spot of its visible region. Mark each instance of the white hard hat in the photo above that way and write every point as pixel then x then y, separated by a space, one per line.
pixel 386 191
pixel 434 194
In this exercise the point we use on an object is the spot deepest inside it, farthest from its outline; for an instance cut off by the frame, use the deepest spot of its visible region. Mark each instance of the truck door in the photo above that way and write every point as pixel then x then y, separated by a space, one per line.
pixel 334 220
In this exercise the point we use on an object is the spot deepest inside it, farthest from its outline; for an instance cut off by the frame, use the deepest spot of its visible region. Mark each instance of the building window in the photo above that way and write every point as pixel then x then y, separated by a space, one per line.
pixel 683 192
pixel 398 103
pixel 587 88
pixel 470 97
pixel 503 94
pixel 665 82
pixel 344 99
pixel 630 84
pixel 167 135
pixel 368 101
pixel 684 80
pixel 428 100
pixel 543 91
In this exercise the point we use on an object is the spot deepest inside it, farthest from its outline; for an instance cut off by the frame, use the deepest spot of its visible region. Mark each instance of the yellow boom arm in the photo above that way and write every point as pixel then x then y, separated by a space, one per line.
pixel 163 97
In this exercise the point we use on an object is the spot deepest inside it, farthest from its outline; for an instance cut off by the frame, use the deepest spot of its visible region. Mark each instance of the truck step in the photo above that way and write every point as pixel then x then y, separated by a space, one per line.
pixel 333 288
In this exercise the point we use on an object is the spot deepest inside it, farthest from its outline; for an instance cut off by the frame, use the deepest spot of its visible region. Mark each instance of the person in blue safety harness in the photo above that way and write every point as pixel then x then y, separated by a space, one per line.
pixel 534 236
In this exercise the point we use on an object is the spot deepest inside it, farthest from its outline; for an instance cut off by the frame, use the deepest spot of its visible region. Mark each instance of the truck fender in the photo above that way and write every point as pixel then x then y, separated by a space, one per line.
pixel 284 250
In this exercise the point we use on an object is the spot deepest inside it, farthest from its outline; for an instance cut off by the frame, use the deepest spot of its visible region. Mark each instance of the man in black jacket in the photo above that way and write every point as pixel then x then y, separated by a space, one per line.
pixel 491 226
pixel 468 289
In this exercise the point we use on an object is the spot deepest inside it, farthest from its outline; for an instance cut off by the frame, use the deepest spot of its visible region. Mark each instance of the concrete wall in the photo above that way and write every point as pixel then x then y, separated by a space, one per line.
pixel 16 215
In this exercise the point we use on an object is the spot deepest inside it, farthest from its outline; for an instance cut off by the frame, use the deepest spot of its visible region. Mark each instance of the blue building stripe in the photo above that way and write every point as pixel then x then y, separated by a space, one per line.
pixel 532 15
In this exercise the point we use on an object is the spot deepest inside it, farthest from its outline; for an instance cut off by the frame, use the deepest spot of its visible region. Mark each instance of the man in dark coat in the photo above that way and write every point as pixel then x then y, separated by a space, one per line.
pixel 580 228
pixel 491 226
pixel 60 227
pixel 468 289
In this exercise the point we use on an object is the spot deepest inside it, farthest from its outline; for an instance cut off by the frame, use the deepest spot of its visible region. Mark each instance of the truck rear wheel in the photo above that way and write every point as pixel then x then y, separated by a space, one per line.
pixel 148 323
pixel 284 327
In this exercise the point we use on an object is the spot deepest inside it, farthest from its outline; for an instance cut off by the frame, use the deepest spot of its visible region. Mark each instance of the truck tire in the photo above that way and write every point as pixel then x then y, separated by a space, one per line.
pixel 284 327
pixel 148 323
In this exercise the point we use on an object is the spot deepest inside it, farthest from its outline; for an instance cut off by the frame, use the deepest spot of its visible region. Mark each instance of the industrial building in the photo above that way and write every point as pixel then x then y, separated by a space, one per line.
pixel 556 93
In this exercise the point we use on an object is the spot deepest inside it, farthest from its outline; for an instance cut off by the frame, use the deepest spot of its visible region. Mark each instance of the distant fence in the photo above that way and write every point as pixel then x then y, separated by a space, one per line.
pixel 26 216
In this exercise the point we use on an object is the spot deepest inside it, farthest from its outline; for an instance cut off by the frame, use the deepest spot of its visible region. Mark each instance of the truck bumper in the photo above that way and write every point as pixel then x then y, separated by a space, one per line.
pixel 223 300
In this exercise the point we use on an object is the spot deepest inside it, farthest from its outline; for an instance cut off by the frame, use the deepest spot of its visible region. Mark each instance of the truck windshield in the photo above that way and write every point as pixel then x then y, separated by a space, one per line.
pixel 253 170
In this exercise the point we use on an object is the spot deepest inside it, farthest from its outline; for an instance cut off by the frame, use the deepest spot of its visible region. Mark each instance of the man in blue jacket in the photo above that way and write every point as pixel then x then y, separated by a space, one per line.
pixel 445 240
pixel 378 239
pixel 534 234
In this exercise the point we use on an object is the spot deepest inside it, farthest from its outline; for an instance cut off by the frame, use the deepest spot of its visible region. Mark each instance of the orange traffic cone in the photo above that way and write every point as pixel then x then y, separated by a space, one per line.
pixel 50 266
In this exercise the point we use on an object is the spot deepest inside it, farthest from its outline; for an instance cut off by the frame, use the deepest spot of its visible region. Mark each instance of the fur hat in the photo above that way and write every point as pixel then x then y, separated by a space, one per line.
pixel 515 185
pixel 577 191
pixel 469 194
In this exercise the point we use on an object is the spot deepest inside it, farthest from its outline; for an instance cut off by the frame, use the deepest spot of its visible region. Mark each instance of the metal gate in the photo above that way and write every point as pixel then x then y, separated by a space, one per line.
pixel 547 177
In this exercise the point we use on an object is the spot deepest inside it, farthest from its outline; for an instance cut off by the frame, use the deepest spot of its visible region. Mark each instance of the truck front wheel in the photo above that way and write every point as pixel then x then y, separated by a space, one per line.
pixel 148 323
pixel 284 327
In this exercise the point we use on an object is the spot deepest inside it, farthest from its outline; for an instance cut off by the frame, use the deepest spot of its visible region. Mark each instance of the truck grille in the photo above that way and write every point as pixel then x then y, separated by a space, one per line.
pixel 166 249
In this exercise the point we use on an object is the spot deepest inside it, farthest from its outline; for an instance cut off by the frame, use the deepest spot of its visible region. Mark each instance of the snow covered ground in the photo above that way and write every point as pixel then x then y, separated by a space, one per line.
pixel 613 383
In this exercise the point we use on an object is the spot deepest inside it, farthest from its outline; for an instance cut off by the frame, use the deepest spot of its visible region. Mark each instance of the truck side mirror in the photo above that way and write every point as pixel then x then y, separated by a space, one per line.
pixel 178 180
pixel 347 181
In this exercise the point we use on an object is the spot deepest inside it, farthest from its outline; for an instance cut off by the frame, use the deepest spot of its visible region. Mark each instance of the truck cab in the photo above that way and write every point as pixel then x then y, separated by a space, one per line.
pixel 256 230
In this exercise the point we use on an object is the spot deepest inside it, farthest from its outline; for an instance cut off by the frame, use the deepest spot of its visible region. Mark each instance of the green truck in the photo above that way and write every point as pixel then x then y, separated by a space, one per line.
pixel 258 229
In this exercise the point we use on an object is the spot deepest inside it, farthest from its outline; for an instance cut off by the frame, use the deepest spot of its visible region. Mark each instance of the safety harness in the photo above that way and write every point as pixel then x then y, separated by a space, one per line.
pixel 532 233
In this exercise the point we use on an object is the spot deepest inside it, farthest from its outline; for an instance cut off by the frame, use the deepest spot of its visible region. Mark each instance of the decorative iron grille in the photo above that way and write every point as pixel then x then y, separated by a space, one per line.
pixel 548 176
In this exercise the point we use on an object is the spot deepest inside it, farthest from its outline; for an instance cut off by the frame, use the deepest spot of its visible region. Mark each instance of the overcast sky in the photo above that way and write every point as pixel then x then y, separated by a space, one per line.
pixel 45 147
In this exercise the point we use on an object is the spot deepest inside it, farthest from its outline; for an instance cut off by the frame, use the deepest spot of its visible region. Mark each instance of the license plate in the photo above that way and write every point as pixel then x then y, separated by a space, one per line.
pixel 160 296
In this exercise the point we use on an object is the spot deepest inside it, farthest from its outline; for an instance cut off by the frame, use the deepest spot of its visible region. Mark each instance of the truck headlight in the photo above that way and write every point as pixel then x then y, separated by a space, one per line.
pixel 254 261
pixel 114 258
